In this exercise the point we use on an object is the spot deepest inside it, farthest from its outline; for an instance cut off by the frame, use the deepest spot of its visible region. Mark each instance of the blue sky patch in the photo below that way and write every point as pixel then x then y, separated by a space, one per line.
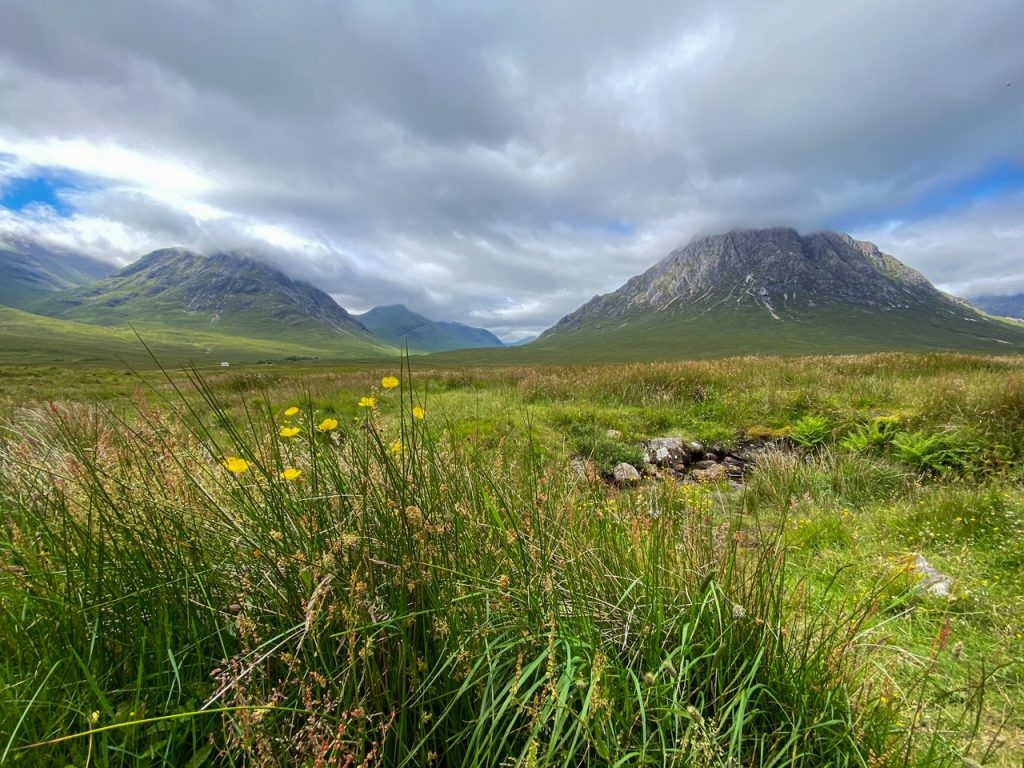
pixel 44 188
pixel 991 182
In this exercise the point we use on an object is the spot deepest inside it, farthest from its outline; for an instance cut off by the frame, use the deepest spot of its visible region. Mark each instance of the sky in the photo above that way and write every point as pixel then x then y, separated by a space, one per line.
pixel 499 163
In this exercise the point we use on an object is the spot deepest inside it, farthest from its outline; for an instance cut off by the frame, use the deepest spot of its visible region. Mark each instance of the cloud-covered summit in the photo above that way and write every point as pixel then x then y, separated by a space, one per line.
pixel 498 164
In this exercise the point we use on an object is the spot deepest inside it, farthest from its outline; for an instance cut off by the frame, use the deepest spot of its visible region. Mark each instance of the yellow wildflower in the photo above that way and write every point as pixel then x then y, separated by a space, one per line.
pixel 327 425
pixel 94 717
pixel 368 402
pixel 289 431
pixel 291 411
pixel 397 447
pixel 389 382
pixel 291 473
pixel 418 413
pixel 236 465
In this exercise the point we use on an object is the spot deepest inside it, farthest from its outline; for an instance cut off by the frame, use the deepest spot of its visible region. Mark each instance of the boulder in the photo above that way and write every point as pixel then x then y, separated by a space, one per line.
pixel 705 464
pixel 666 451
pixel 715 474
pixel 933 581
pixel 625 474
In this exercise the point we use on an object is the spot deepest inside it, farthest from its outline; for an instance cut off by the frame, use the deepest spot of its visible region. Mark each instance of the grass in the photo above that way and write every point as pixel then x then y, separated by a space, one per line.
pixel 447 591
pixel 657 336
pixel 28 339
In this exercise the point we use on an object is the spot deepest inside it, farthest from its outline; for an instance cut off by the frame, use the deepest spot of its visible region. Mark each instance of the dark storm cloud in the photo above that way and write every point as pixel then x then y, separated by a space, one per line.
pixel 499 164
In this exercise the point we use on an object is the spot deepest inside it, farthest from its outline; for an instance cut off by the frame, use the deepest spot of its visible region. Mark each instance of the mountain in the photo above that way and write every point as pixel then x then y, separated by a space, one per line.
pixel 1003 306
pixel 226 294
pixel 29 271
pixel 397 325
pixel 773 291
pixel 523 341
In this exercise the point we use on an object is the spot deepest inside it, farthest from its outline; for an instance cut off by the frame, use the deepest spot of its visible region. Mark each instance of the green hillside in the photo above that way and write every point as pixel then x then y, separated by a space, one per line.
pixel 29 272
pixel 29 339
pixel 830 330
pixel 399 326
pixel 225 300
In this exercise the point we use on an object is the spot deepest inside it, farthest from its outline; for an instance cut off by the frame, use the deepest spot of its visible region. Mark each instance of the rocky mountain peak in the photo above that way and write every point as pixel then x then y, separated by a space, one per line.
pixel 776 270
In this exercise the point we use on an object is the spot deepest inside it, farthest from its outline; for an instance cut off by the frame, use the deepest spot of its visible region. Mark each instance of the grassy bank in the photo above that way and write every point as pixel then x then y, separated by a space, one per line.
pixel 445 590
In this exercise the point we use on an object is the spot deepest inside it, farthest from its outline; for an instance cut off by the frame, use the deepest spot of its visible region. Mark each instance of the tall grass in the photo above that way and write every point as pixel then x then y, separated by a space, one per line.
pixel 409 600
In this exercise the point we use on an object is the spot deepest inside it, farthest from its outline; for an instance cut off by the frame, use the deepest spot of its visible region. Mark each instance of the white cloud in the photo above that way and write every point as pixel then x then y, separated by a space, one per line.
pixel 502 164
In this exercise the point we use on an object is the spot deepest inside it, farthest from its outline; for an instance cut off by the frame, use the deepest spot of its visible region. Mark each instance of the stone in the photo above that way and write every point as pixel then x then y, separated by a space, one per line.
pixel 933 581
pixel 625 474
pixel 584 469
pixel 696 449
pixel 705 464
pixel 715 474
pixel 666 451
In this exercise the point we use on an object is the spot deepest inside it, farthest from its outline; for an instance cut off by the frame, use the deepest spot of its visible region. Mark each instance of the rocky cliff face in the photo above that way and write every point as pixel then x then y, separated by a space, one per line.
pixel 777 271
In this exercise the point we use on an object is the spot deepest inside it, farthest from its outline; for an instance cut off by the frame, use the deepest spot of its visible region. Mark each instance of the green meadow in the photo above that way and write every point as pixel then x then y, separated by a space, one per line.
pixel 318 565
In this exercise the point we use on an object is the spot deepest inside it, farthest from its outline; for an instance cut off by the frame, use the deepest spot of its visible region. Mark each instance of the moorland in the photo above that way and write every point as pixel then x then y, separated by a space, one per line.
pixel 404 563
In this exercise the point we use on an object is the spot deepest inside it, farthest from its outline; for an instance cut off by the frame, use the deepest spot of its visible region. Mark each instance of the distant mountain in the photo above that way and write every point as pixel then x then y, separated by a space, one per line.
pixel 29 271
pixel 522 342
pixel 1003 306
pixel 773 291
pixel 226 293
pixel 396 324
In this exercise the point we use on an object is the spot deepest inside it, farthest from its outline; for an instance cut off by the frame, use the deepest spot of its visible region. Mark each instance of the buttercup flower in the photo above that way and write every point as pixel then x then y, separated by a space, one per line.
pixel 289 431
pixel 291 411
pixel 368 402
pixel 389 382
pixel 418 413
pixel 327 425
pixel 291 473
pixel 236 465
pixel 397 447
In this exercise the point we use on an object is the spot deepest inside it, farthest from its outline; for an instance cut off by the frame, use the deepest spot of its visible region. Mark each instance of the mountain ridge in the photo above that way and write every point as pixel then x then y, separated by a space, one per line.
pixel 226 292
pixel 397 324
pixel 1002 306
pixel 30 270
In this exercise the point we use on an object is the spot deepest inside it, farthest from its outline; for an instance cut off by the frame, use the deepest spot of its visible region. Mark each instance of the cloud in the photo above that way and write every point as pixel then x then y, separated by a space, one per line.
pixel 976 251
pixel 501 164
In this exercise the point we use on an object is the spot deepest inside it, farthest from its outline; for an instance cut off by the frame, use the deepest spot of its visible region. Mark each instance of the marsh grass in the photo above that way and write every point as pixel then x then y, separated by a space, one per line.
pixel 423 597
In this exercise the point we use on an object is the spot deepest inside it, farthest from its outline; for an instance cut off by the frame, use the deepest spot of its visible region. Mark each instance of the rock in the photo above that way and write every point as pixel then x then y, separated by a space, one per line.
pixel 696 449
pixel 718 450
pixel 625 474
pixel 666 451
pixel 715 474
pixel 705 464
pixel 584 469
pixel 613 434
pixel 734 467
pixel 933 581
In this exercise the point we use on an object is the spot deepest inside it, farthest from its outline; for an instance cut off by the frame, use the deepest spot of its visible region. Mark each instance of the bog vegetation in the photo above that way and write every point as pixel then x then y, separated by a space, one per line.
pixel 395 568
